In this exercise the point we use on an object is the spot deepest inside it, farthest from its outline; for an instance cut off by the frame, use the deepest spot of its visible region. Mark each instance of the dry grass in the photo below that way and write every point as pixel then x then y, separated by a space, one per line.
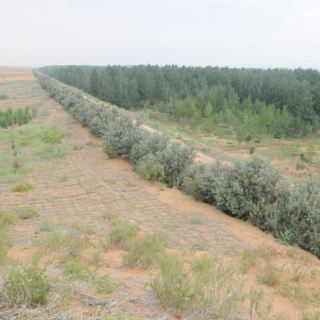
pixel 269 276
pixel 146 251
pixel 26 213
pixel 22 187
pixel 122 234
pixel 206 287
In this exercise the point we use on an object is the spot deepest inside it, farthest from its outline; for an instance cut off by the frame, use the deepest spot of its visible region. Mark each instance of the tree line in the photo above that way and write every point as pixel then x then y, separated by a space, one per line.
pixel 252 102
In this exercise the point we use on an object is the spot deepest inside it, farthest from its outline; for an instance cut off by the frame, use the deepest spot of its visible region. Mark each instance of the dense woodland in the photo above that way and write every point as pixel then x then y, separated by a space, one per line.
pixel 250 103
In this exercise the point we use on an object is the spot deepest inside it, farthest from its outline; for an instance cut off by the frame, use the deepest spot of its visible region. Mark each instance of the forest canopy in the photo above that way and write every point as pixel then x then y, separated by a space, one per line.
pixel 251 102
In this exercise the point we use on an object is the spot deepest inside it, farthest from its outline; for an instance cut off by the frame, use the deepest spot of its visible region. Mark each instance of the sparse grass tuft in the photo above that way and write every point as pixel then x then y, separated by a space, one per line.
pixel 25 213
pixel 83 228
pixel 6 218
pixel 173 285
pixel 96 254
pixel 115 316
pixel 161 186
pixel 310 316
pixel 300 165
pixel 24 286
pixel 110 215
pixel 266 253
pixel 77 270
pixel 55 241
pixel 170 224
pixel 198 246
pixel 122 233
pixel 71 244
pixel 209 288
pixel 77 147
pixel 248 260
pixel 22 187
pixel 65 297
pixel 296 293
pixel 146 251
pixel 3 96
pixel 47 225
pixel 258 309
pixel 197 219
pixel 30 134
pixel 297 273
pixel 52 136
pixel 10 167
pixel 268 276
pixel 49 150
pixel 64 178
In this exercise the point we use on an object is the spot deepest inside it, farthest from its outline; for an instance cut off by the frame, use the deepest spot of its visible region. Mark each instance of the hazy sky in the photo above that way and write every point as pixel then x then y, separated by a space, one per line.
pixel 240 33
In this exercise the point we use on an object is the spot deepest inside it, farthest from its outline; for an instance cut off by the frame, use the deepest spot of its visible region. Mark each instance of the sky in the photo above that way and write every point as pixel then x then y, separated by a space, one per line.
pixel 234 33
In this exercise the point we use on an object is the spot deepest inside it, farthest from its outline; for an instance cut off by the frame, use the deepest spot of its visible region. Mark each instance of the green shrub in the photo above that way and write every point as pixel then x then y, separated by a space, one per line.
pixel 52 136
pixel 307 156
pixel 145 251
pixel 24 286
pixel 176 159
pixel 203 181
pixel 151 168
pixel 247 186
pixel 16 116
pixel 97 126
pixel 22 187
pixel 252 150
pixel 102 119
pixel 120 137
pixel 300 165
pixel 297 220
pixel 148 143
pixel 84 112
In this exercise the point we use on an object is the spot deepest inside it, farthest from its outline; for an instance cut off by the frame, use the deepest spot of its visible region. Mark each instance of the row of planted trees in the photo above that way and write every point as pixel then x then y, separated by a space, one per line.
pixel 276 103
pixel 15 116
pixel 251 190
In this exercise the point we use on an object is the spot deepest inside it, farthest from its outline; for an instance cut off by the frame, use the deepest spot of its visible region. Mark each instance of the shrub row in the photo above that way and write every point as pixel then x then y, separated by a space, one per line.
pixel 254 191
pixel 250 190
pixel 161 159
pixel 16 116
